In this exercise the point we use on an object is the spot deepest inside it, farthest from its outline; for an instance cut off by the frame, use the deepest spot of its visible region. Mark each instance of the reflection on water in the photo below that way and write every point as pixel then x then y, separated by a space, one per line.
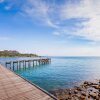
pixel 63 72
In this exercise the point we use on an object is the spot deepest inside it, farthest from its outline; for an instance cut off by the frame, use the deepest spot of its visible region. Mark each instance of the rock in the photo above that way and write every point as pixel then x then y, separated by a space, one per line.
pixel 85 82
pixel 83 93
pixel 96 86
pixel 78 88
pixel 75 91
pixel 84 86
pixel 86 91
pixel 93 95
pixel 90 90
pixel 99 95
pixel 88 83
pixel 82 97
pixel 95 83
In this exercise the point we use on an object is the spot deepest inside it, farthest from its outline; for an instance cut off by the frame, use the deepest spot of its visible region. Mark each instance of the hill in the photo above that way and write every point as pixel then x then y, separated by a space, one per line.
pixel 14 53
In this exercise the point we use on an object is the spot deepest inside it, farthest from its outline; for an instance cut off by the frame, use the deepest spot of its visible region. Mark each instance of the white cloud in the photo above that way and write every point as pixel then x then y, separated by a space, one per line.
pixel 85 9
pixel 53 15
pixel 39 10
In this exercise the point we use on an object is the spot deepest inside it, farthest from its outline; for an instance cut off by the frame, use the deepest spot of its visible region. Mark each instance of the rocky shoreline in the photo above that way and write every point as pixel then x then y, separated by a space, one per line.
pixel 86 91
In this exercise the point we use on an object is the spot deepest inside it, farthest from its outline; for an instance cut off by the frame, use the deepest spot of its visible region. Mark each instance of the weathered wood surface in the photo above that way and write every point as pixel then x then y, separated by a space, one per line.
pixel 13 87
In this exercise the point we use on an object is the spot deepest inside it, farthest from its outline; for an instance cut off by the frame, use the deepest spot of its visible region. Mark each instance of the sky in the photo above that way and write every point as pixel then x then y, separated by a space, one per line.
pixel 51 27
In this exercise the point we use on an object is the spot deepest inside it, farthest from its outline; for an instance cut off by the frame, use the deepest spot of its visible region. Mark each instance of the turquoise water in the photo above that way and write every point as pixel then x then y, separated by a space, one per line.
pixel 63 72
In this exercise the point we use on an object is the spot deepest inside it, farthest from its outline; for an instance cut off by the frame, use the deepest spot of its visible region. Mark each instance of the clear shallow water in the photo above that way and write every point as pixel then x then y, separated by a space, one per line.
pixel 63 72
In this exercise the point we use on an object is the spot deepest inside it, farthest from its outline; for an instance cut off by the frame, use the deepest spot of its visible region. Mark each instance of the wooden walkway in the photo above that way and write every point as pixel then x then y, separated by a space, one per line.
pixel 13 87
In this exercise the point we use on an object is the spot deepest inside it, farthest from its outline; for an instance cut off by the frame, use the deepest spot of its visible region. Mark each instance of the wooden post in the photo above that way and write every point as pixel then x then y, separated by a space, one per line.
pixel 39 62
pixel 10 65
pixel 36 63
pixel 29 64
pixel 6 64
pixel 19 64
pixel 33 63
pixel 25 64
pixel 13 65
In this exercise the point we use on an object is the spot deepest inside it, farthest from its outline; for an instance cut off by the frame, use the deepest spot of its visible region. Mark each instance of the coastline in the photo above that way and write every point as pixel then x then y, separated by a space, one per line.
pixel 81 90
pixel 85 91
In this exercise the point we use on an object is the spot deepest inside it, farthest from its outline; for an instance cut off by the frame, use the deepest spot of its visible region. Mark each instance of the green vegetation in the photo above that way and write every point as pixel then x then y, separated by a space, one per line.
pixel 10 53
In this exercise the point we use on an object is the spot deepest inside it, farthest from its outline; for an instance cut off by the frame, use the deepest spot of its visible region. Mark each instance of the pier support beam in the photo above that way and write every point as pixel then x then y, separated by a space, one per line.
pixel 27 63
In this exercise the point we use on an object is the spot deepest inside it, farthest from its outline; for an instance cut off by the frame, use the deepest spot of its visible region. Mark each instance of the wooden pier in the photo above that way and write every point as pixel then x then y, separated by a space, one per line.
pixel 14 87
pixel 26 63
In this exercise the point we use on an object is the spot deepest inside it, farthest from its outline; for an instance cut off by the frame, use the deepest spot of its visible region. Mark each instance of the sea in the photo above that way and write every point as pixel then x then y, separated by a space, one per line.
pixel 62 72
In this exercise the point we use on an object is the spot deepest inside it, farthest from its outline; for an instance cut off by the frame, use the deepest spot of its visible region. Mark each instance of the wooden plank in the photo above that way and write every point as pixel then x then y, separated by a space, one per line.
pixel 13 87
